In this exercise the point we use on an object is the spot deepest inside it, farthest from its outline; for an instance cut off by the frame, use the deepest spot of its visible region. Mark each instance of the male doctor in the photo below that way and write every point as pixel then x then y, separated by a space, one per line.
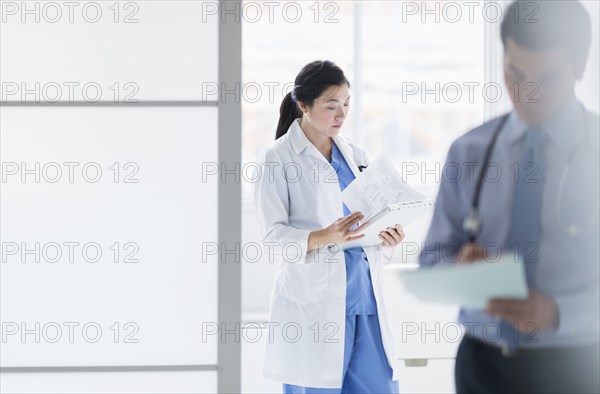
pixel 538 198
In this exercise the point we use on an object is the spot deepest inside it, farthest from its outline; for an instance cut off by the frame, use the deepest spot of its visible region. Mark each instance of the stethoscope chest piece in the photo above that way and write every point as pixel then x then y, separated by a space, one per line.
pixel 472 223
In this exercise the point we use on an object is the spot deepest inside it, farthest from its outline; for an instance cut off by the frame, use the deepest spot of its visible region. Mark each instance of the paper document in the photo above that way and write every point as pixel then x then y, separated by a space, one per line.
pixel 377 187
pixel 469 285
pixel 402 214
pixel 384 199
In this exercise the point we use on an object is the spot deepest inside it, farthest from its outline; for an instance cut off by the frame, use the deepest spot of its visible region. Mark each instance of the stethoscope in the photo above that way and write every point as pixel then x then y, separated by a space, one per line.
pixel 472 223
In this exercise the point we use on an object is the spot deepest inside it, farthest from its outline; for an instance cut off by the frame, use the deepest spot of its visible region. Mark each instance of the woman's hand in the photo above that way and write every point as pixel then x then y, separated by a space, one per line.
pixel 392 236
pixel 338 232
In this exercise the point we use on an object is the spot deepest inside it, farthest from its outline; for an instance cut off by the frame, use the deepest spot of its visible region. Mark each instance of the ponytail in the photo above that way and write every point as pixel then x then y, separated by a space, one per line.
pixel 288 112
pixel 311 82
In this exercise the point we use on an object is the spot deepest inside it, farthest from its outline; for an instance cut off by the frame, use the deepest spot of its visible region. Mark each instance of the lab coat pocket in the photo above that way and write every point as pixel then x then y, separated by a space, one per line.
pixel 309 282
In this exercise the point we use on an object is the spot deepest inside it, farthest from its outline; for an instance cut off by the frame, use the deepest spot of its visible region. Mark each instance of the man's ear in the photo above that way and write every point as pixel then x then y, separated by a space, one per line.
pixel 579 67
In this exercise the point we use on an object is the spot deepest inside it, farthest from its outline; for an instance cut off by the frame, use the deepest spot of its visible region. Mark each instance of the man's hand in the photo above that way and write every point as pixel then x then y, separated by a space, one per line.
pixel 537 311
pixel 469 253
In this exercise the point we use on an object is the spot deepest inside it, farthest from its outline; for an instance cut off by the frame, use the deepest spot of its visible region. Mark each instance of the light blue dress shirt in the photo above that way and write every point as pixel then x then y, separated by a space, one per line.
pixel 360 299
pixel 569 263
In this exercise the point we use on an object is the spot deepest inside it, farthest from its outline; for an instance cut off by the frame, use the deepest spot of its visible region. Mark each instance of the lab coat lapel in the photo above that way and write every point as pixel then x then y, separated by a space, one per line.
pixel 301 143
pixel 346 151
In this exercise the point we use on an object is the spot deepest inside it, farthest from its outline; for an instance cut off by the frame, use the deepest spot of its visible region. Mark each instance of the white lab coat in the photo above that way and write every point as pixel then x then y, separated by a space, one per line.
pixel 298 192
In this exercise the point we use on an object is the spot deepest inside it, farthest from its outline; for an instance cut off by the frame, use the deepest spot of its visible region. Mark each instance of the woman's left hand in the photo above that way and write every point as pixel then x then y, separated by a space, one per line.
pixel 392 236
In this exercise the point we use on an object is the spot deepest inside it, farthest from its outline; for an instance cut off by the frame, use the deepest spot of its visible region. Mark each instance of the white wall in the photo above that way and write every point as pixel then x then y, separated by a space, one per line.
pixel 152 300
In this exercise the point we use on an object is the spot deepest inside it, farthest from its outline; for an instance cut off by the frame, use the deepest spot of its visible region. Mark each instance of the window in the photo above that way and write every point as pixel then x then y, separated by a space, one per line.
pixel 392 66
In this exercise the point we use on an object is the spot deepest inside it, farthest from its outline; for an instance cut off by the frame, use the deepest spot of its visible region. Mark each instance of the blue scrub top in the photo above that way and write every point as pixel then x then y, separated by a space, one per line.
pixel 360 299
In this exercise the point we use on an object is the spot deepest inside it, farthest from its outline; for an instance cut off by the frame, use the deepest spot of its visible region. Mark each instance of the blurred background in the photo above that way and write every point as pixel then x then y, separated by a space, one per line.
pixel 114 118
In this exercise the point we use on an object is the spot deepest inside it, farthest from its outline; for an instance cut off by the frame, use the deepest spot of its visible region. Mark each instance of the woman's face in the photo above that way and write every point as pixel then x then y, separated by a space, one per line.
pixel 329 111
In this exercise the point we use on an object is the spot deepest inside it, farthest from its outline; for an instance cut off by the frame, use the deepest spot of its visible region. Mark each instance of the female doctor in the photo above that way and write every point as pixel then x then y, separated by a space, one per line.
pixel 329 330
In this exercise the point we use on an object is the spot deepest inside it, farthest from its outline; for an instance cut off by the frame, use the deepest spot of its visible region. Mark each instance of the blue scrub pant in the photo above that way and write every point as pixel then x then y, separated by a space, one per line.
pixel 366 369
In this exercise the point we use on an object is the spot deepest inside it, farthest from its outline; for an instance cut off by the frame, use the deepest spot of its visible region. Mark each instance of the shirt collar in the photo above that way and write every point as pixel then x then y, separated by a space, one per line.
pixel 516 128
pixel 563 128
pixel 297 137
pixel 567 126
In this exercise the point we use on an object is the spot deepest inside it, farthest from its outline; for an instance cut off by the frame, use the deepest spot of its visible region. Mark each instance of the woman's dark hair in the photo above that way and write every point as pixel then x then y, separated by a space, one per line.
pixel 311 82
pixel 549 25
